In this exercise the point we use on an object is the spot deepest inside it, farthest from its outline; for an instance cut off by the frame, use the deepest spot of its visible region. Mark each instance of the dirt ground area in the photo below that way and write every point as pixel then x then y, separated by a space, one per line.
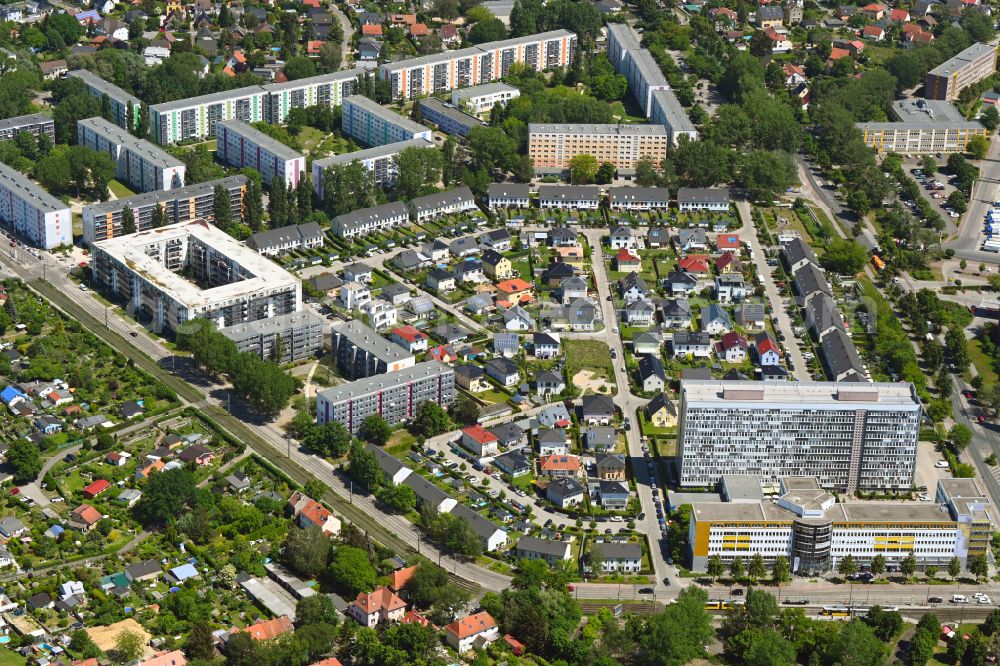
pixel 588 381
pixel 105 637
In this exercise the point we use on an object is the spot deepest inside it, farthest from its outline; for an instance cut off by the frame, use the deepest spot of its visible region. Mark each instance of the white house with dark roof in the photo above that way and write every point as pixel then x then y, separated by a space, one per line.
pixel 623 237
pixel 703 198
pixel 442 203
pixel 508 195
pixel 580 197
pixel 532 548
pixel 639 198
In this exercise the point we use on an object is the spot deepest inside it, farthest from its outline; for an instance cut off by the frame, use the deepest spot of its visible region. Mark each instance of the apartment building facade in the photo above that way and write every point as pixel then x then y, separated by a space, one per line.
pixel 102 221
pixel 285 338
pixel 124 106
pixel 27 208
pixel 972 65
pixel 483 63
pixel 144 166
pixel 395 396
pixel 327 90
pixel 35 124
pixel 240 145
pixel 552 146
pixel 381 161
pixel 360 351
pixel 848 436
pixel 195 117
pixel 375 125
pixel 449 119
pixel 482 98
pixel 367 220
pixel 922 126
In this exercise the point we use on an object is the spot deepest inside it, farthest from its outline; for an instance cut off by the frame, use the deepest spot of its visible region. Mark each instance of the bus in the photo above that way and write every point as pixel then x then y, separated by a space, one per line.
pixel 877 262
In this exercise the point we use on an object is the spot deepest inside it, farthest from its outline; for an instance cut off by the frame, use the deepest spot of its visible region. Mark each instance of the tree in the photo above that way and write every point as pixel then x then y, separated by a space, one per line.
pixel 929 165
pixel 582 169
pixel 222 210
pixel 847 566
pixel 605 173
pixel 992 623
pixel 158 217
pixel 779 570
pixel 253 205
pixel 645 172
pixel 960 436
pixel 490 30
pixel 24 457
pixel 330 439
pixel 958 201
pixel 128 646
pixel 954 567
pixel 431 420
pixel 594 559
pixel 398 497
pixel 736 568
pixel 845 257
pixel 83 645
pixel 306 550
pixel 978 566
pixel 990 118
pixel 363 467
pixel 351 571
pixel 678 634
pixel 977 147
pixel 765 173
pixel 416 168
pixel 957 348
pixel 128 221
pixel 375 429
pixel 756 570
pixel 856 644
pixel 278 203
pixel 317 609
pixel 314 488
pixel 909 565
pixel 200 643
pixel 299 67
pixel 877 565
pixel 715 567
pixel 465 411
pixel 492 148
pixel 885 624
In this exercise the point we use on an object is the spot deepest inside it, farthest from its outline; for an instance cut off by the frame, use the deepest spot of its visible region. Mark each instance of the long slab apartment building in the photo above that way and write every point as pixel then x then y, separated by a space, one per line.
pixel 33 212
pixel 374 125
pixel 808 526
pixel 970 66
pixel 381 161
pixel 361 352
pixel 102 221
pixel 35 124
pixel 551 146
pixel 484 63
pixel 124 106
pixel 922 126
pixel 195 117
pixel 850 436
pixel 241 145
pixel 144 166
pixel 301 335
pixel 395 396
pixel 231 284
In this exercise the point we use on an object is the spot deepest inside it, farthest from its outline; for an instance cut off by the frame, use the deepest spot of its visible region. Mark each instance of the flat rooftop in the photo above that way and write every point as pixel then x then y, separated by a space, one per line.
pixel 773 395
pixel 111 90
pixel 279 324
pixel 597 129
pixel 366 338
pixel 924 114
pixel 624 35
pixel 24 121
pixel 211 98
pixel 449 111
pixel 484 89
pixel 673 113
pixel 160 196
pixel 254 135
pixel 474 50
pixel 115 134
pixel 857 512
pixel 130 250
pixel 369 385
pixel 321 79
pixel 386 114
pixel 952 65
pixel 387 150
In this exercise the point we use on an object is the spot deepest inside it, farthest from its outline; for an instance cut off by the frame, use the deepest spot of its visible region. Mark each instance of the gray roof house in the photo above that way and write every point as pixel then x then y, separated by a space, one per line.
pixel 624 557
pixel 797 254
pixel 506 344
pixel 597 410
pixel 429 495
pixel 449 333
pixel 751 315
pixel 840 357
pixel 600 438
pixel 549 383
pixel 716 320
pixel 822 315
pixel 552 415
pixel 517 318
pixel 504 371
pixel 651 374
pixel 509 435
pixel 531 548
pixel 676 313
pixel 632 287
pixel 647 342
pixel 680 283
pixel 692 239
pixel 640 312
pixel 810 280
pixel 513 463
pixel 565 492
pixel 492 537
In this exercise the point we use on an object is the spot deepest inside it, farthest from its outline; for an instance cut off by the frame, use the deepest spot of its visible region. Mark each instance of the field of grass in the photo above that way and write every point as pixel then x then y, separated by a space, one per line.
pixel 11 658
pixel 589 355
pixel 984 367
pixel 119 189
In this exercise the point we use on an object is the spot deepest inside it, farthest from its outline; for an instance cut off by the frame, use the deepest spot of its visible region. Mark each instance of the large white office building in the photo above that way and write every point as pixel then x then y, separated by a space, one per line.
pixel 241 145
pixel 922 126
pixel 849 436
pixel 191 270
pixel 121 103
pixel 144 166
pixel 375 125
pixel 483 63
pixel 381 161
pixel 102 221
pixel 32 212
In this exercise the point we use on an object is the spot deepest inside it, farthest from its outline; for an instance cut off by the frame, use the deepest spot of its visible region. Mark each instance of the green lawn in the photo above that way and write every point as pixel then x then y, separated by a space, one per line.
pixel 984 367
pixel 11 658
pixel 119 189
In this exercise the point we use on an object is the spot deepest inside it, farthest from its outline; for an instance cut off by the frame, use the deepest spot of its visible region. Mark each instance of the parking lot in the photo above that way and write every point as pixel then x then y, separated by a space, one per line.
pixel 935 190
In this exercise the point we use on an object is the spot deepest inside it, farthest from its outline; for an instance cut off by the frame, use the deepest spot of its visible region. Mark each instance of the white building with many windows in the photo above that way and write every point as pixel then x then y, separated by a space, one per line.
pixel 381 161
pixel 241 145
pixel 120 102
pixel 850 436
pixel 195 117
pixel 442 203
pixel 31 211
pixel 375 125
pixel 367 220
pixel 142 165
pixel 482 99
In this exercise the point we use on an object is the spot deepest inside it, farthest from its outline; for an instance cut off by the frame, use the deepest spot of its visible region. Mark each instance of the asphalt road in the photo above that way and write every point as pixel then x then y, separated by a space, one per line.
pixel 984 191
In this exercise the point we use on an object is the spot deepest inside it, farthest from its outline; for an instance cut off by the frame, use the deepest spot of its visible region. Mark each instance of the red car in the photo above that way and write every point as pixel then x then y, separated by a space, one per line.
pixel 570 588
pixel 981 418
pixel 14 491
pixel 967 393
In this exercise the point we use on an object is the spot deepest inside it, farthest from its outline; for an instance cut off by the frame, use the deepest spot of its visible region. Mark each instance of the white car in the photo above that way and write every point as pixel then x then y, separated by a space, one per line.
pixel 941 464
pixel 924 497
pixel 984 600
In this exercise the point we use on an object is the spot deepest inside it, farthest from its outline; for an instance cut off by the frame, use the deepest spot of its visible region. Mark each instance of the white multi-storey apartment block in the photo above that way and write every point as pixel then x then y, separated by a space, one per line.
pixel 482 99
pixel 375 125
pixel 195 117
pixel 552 146
pixel 33 212
pixel 367 220
pixel 121 102
pixel 327 90
pixel 814 532
pixel 241 145
pixel 667 111
pixel 232 283
pixel 479 64
pixel 35 124
pixel 850 436
pixel 381 161
pixel 102 221
pixel 144 166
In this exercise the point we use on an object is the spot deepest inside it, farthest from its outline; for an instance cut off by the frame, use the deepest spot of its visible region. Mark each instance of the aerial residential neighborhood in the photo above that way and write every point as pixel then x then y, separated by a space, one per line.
pixel 567 332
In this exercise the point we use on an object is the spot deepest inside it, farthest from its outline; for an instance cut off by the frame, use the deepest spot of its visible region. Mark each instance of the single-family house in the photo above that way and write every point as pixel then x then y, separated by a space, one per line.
pixel 597 410
pixel 504 371
pixel 599 439
pixel 680 283
pixel 730 288
pixel 632 287
pixel 623 237
pixel 751 316
pixel 565 492
pixel 496 266
pixel 660 412
pixel 646 343
pixel 696 344
pixel 480 441
pixel 766 349
pixel 676 313
pixel 552 442
pixel 627 261
pixel 732 348
pixel 652 376
pixel 715 320
pixel 513 463
pixel 611 495
pixel 517 318
pixel 640 312
pixel 545 345
pixel 84 518
pixel 549 383
pixel 472 631
pixel 380 605
pixel 610 467
pixel 620 557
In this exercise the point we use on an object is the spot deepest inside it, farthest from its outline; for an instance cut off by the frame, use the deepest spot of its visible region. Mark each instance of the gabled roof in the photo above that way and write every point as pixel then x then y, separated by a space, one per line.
pixel 471 625
pixel 597 404
pixel 562 462
pixel 379 599
pixel 479 434
pixel 650 366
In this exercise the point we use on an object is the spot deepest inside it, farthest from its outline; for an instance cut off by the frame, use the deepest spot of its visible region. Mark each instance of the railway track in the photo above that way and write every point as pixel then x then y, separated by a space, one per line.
pixel 634 607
